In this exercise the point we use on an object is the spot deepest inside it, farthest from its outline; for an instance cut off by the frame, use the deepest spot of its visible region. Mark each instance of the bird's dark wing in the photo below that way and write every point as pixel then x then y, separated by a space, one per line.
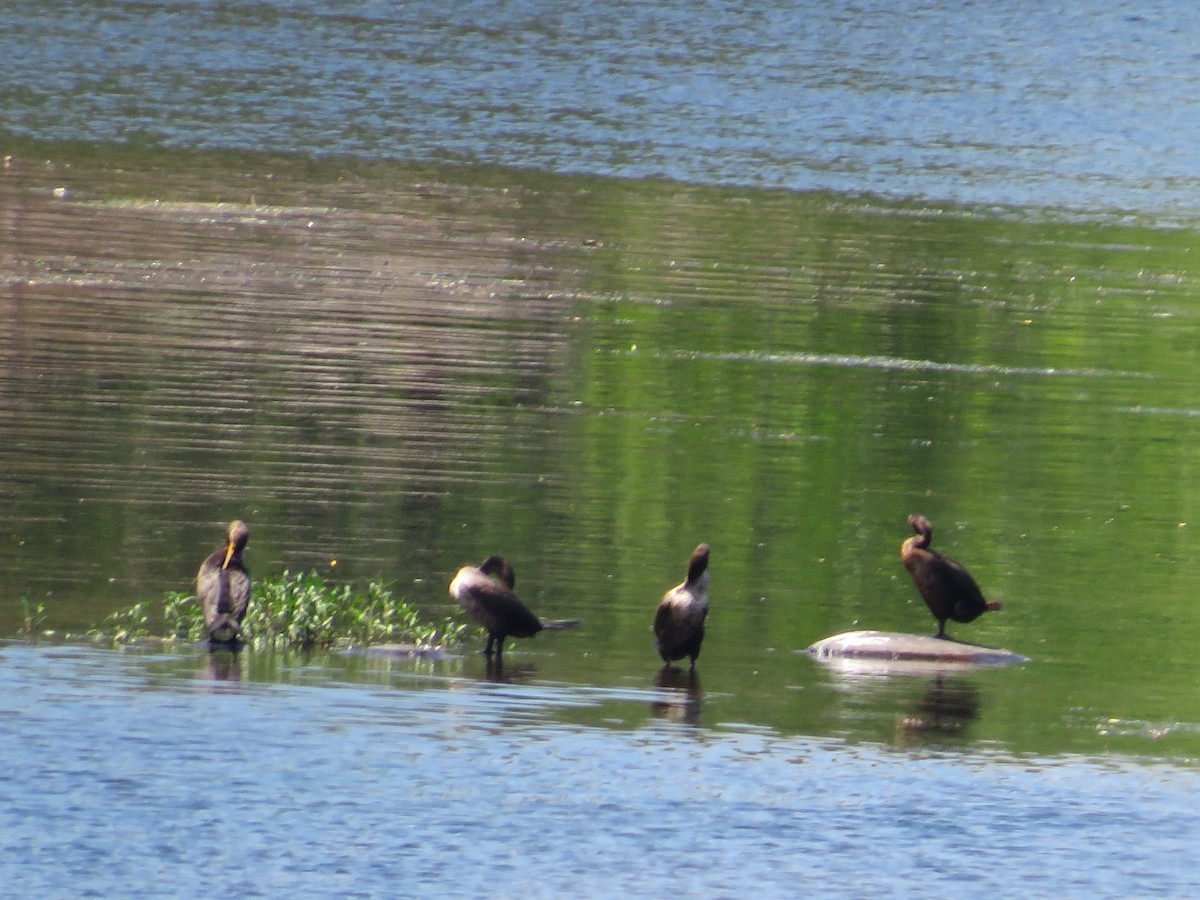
pixel 497 608
pixel 664 618
pixel 208 585
pixel 957 579
pixel 237 593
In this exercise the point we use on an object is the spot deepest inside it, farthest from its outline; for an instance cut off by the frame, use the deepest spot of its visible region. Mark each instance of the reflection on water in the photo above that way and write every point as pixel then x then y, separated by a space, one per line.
pixel 500 672
pixel 390 370
pixel 393 370
pixel 982 102
pixel 681 695
pixel 405 370
pixel 222 665
pixel 281 384
pixel 947 710
pixel 453 786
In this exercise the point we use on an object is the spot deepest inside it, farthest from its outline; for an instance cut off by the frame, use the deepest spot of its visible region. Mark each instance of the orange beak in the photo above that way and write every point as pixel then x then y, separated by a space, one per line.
pixel 228 555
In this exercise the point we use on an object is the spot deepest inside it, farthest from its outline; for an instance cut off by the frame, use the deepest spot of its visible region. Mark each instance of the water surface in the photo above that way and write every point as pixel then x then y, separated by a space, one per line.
pixel 135 775
pixel 392 371
pixel 1088 107
pixel 328 270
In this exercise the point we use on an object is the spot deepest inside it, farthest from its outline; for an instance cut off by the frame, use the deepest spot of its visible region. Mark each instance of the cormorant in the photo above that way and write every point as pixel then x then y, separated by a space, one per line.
pixel 948 588
pixel 486 593
pixel 223 586
pixel 679 619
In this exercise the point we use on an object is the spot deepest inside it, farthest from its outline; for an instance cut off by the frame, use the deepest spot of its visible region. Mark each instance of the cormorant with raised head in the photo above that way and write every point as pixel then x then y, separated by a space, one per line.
pixel 679 619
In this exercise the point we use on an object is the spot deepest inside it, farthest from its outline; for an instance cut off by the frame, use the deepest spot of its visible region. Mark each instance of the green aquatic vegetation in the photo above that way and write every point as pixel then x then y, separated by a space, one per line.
pixel 292 610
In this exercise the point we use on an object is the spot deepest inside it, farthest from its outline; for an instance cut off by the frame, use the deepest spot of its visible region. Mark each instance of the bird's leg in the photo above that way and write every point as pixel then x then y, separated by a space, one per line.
pixel 487 651
pixel 942 630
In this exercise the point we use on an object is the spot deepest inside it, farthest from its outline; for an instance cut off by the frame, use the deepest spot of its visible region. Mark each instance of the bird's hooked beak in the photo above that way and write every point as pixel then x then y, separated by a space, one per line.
pixel 228 555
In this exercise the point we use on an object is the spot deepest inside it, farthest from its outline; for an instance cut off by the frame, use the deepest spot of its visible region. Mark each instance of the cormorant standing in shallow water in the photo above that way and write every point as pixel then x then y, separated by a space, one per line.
pixel 948 588
pixel 679 619
pixel 486 593
pixel 223 586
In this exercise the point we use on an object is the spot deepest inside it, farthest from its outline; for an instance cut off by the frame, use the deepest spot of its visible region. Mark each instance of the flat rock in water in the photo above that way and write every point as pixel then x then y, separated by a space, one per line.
pixel 895 646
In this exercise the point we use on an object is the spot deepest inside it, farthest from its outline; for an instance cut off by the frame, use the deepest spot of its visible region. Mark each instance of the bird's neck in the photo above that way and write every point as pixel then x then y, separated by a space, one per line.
pixel 913 546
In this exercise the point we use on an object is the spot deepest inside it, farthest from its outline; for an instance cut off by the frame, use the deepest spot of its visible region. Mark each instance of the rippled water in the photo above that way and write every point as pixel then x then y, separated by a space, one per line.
pixel 390 373
pixel 422 782
pixel 590 376
pixel 238 278
pixel 1091 106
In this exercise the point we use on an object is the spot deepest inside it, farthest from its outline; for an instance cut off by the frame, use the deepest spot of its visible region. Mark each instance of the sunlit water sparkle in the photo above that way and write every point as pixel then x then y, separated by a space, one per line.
pixel 134 774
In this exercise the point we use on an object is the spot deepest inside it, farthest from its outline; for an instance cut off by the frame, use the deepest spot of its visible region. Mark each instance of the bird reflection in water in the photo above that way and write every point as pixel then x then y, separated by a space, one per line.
pixel 221 664
pixel 501 672
pixel 947 710
pixel 679 697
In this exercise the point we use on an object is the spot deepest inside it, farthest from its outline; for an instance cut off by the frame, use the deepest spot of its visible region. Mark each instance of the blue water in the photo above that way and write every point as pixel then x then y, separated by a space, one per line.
pixel 140 775
pixel 145 775
pixel 1089 106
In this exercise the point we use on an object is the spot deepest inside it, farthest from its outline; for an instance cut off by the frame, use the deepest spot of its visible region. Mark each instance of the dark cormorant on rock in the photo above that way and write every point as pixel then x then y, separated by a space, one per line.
pixel 948 588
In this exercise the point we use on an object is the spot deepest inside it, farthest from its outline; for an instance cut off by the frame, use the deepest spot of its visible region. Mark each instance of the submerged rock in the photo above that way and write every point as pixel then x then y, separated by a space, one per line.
pixel 899 647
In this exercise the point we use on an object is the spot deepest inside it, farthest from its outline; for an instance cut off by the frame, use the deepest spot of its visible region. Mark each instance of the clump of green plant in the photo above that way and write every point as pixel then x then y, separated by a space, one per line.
pixel 293 610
